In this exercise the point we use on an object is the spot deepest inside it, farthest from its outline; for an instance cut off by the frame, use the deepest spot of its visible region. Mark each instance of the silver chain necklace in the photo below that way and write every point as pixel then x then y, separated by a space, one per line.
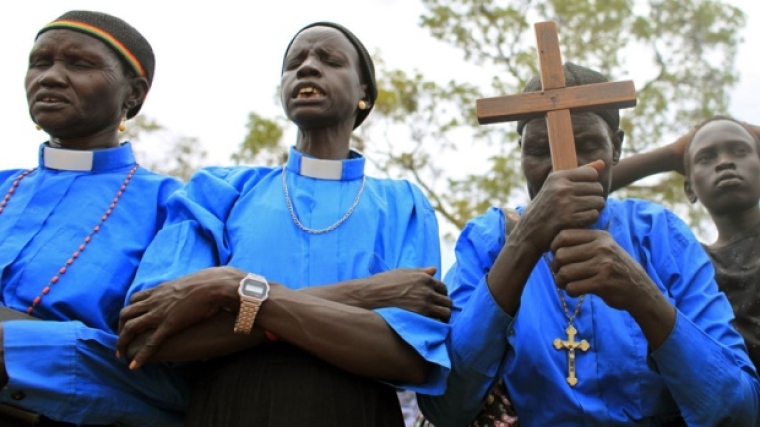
pixel 323 230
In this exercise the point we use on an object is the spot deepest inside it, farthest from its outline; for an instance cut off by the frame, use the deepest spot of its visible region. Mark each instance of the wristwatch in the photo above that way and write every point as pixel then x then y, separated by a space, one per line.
pixel 253 290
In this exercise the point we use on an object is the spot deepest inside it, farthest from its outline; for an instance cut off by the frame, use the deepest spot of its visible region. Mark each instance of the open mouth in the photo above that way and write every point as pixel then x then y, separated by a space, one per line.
pixel 309 92
pixel 50 99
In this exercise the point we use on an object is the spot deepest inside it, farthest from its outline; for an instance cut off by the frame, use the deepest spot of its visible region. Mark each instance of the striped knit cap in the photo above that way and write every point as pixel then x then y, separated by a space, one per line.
pixel 576 75
pixel 365 62
pixel 126 41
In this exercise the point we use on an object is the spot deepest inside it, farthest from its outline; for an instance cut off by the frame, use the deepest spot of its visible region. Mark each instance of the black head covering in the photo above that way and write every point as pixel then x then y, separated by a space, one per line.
pixel 121 37
pixel 365 61
pixel 576 75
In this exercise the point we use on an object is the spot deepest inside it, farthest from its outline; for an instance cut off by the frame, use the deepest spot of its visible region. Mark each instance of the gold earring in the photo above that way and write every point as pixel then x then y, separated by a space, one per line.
pixel 362 105
pixel 38 127
pixel 123 125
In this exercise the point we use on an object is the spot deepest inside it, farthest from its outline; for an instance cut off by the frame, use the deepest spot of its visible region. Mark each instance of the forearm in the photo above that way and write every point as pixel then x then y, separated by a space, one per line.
pixel 715 388
pixel 638 166
pixel 511 271
pixel 213 337
pixel 356 340
pixel 655 315
pixel 59 365
pixel 478 343
pixel 347 293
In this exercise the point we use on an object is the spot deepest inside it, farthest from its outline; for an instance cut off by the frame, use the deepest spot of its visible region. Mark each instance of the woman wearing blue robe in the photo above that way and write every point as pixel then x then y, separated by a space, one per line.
pixel 354 304
pixel 73 230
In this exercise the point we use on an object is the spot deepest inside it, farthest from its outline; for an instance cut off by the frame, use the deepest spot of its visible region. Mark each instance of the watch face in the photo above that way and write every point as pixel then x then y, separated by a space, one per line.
pixel 254 288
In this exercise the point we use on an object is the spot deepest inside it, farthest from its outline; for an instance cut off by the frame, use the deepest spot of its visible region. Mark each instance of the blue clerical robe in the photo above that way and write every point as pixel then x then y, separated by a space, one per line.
pixel 239 217
pixel 701 371
pixel 65 365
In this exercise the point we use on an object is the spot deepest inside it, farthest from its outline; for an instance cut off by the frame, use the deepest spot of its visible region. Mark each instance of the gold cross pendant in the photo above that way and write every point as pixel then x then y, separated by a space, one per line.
pixel 571 345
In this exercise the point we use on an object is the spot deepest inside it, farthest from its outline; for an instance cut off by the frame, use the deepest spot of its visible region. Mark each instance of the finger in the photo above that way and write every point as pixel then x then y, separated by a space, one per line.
pixel 583 202
pixel 130 312
pixel 586 188
pixel 585 286
pixel 430 270
pixel 598 165
pixel 131 329
pixel 145 352
pixel 440 288
pixel 572 237
pixel 140 296
pixel 576 220
pixel 167 328
pixel 124 339
pixel 440 313
pixel 565 274
pixel 588 172
pixel 442 301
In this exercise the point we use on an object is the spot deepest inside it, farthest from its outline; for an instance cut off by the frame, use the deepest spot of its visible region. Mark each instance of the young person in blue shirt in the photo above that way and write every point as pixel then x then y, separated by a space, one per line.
pixel 720 161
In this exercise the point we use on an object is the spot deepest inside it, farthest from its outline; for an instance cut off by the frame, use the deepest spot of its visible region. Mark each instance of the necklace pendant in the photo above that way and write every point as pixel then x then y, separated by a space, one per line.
pixel 571 345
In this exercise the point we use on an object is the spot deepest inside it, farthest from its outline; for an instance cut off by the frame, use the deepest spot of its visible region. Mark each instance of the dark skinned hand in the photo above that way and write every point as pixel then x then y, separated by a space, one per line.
pixel 677 149
pixel 568 199
pixel 413 289
pixel 174 306
pixel 591 262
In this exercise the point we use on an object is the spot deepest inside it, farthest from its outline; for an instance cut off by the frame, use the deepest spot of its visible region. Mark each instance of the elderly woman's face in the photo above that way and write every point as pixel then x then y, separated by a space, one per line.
pixel 75 84
pixel 321 83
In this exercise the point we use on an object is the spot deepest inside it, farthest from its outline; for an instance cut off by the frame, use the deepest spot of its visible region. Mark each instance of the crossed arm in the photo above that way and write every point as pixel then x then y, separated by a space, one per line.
pixel 192 318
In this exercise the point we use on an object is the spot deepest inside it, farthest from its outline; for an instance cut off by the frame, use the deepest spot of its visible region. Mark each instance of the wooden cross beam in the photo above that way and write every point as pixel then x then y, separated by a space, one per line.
pixel 556 101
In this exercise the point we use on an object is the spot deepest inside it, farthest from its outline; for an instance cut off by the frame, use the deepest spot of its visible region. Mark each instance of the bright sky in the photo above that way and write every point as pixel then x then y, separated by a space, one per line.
pixel 218 61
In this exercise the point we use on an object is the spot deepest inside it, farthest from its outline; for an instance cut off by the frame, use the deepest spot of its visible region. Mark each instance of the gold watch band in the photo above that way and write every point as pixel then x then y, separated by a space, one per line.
pixel 246 316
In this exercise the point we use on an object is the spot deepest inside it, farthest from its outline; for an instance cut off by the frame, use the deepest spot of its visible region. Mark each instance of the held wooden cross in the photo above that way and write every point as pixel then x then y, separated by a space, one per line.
pixel 556 101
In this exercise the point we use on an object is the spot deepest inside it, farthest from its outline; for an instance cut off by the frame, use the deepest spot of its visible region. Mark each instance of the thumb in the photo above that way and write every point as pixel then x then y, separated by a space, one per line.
pixel 596 164
pixel 429 270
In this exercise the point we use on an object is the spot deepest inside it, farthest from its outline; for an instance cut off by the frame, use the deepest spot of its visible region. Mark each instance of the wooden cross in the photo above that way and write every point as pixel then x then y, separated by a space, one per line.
pixel 556 101
pixel 571 345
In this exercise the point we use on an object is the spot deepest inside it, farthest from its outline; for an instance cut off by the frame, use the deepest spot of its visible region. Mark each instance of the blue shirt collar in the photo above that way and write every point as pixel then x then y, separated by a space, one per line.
pixel 336 170
pixel 86 160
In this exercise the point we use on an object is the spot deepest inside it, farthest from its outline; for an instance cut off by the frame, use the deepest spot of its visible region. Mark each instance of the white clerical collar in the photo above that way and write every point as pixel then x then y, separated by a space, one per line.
pixel 70 160
pixel 334 170
pixel 321 169
pixel 86 160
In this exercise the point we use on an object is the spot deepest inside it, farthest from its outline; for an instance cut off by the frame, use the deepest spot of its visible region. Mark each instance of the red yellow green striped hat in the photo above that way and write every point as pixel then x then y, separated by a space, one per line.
pixel 124 39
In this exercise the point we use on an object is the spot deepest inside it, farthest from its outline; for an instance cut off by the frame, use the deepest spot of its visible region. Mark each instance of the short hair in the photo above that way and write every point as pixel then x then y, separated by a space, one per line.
pixel 700 125
pixel 576 75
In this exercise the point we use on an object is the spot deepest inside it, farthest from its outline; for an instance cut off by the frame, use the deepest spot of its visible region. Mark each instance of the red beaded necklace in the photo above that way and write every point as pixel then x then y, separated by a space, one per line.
pixel 87 239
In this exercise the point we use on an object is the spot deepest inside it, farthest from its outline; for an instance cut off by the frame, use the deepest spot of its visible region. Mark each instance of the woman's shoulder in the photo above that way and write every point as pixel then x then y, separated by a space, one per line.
pixel 9 174
pixel 639 209
pixel 398 190
pixel 651 219
pixel 234 176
